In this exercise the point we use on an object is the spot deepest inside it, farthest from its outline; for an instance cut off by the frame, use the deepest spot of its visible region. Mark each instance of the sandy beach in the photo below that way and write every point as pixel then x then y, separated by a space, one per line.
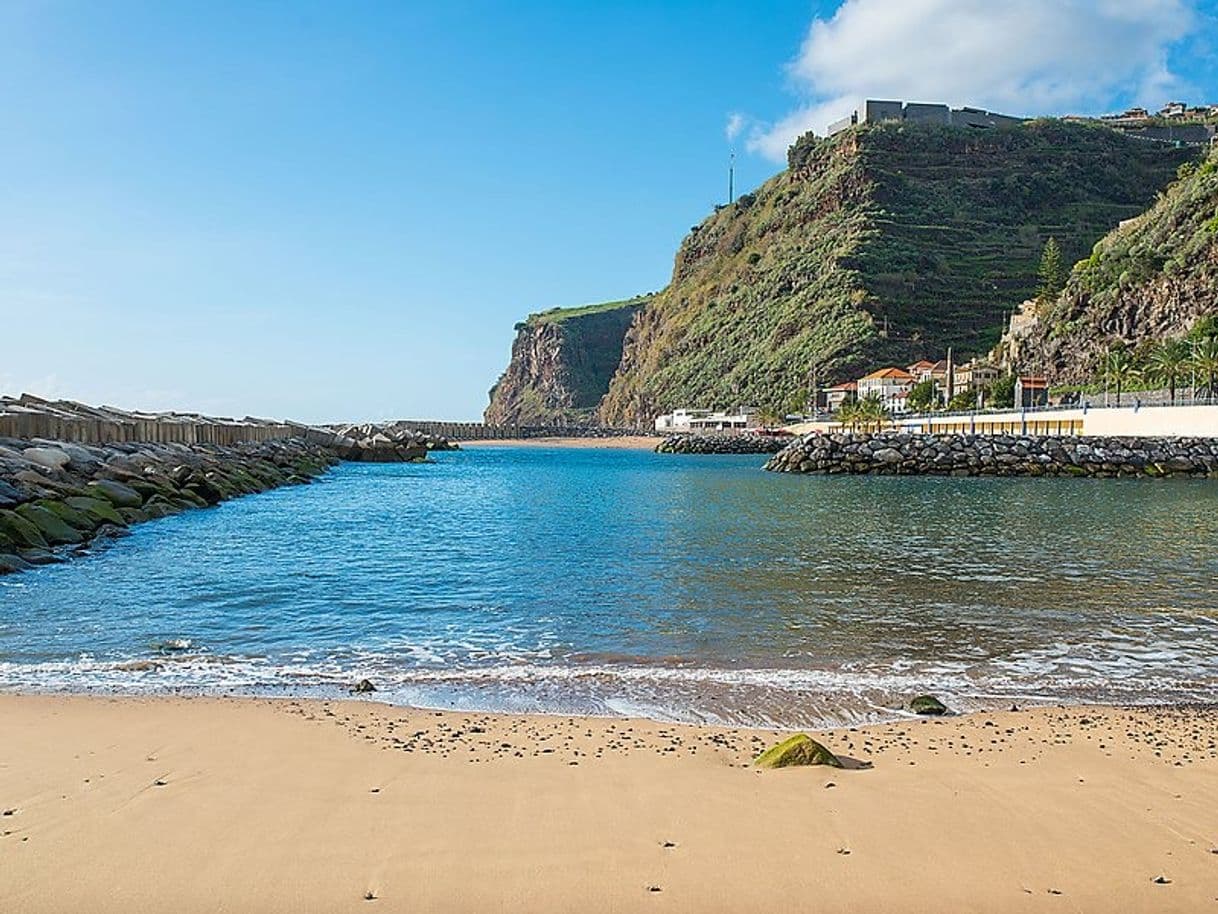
pixel 211 804
pixel 628 442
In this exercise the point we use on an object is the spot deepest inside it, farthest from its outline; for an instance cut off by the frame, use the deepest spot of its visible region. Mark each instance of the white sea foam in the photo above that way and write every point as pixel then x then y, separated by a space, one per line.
pixel 758 696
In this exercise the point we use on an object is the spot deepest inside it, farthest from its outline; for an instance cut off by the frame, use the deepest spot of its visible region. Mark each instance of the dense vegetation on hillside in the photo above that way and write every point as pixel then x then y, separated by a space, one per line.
pixel 887 242
pixel 1151 280
pixel 562 360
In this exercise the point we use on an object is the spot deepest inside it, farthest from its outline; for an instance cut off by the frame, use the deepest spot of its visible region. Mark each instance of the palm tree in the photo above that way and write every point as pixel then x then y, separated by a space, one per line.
pixel 1168 363
pixel 848 414
pixel 868 413
pixel 1119 370
pixel 1205 361
pixel 768 417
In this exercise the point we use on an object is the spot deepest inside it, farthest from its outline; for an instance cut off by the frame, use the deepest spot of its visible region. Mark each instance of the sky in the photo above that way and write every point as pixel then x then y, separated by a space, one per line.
pixel 337 211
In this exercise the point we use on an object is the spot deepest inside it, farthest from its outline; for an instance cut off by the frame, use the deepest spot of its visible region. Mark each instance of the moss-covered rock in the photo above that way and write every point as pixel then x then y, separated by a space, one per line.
pixel 797 750
pixel 53 528
pixel 201 488
pixel 99 509
pixel 148 489
pixel 133 515
pixel 119 495
pixel 221 483
pixel 246 482
pixel 927 704
pixel 192 498
pixel 21 531
pixel 65 512
pixel 158 507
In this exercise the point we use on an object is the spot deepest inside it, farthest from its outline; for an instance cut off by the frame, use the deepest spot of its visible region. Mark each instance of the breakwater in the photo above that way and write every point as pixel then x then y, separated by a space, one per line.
pixel 56 496
pixel 721 444
pixel 33 418
pixel 30 417
pixel 998 455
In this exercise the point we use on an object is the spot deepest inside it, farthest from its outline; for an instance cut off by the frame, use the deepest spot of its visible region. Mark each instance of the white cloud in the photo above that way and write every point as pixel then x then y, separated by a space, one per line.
pixel 1027 57
pixel 735 124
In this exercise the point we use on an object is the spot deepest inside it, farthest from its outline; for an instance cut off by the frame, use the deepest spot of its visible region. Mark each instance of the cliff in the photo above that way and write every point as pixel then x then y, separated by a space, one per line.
pixel 1152 278
pixel 884 243
pixel 561 364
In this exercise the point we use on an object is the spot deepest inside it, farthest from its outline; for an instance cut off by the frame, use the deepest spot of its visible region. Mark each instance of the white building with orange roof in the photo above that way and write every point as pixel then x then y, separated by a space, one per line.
pixel 841 393
pixel 890 384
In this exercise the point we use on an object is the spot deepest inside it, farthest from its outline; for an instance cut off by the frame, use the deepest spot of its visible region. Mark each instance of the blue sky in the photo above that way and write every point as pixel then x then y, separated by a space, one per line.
pixel 339 210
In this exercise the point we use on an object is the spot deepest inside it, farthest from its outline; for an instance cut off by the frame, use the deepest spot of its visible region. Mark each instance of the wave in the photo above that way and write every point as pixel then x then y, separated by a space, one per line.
pixel 672 690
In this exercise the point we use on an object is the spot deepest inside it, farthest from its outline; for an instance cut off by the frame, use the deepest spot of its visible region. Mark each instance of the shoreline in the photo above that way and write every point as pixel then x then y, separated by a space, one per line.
pixel 884 715
pixel 201 803
pixel 624 442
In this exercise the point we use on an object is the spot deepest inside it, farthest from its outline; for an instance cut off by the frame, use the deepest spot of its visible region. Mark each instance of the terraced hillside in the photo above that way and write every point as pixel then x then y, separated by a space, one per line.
pixel 561 363
pixel 887 242
pixel 1149 280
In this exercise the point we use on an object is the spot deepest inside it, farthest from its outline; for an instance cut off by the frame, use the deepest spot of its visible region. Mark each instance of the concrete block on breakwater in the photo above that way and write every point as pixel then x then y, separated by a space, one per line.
pixel 721 444
pixel 998 455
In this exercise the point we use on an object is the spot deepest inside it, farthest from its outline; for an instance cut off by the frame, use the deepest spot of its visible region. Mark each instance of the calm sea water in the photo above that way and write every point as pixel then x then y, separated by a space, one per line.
pixel 687 588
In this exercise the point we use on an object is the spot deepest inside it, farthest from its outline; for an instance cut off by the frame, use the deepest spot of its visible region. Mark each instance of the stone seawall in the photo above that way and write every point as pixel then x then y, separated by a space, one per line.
pixel 998 455
pixel 55 497
pixel 721 444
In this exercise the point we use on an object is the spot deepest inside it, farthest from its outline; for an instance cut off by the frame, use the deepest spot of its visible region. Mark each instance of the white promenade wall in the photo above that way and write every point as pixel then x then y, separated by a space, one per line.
pixel 1124 421
pixel 1184 421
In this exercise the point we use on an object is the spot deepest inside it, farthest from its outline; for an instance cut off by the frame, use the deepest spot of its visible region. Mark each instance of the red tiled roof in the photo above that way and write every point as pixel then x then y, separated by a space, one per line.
pixel 896 373
pixel 849 385
pixel 1033 382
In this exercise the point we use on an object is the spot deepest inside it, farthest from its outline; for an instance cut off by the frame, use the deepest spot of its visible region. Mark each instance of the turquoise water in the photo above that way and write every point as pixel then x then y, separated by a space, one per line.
pixel 689 588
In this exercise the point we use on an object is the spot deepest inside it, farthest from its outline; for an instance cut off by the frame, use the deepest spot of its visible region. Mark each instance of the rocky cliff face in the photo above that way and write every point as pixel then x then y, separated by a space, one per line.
pixel 561 364
pixel 1152 278
pixel 885 243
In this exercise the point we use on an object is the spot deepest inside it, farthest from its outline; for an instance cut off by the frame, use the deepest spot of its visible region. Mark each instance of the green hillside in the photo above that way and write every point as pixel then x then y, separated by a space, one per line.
pixel 1151 279
pixel 887 242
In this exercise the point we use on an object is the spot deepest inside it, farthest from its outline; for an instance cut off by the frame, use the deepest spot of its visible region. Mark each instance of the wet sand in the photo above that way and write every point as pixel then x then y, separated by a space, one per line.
pixel 211 804
pixel 628 442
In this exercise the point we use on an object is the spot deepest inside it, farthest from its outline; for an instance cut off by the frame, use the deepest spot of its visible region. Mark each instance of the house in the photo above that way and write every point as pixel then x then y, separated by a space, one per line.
pixel 1173 110
pixel 678 421
pixel 842 393
pixel 891 385
pixel 704 421
pixel 1031 390
pixel 1128 115
pixel 975 375
pixel 920 370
